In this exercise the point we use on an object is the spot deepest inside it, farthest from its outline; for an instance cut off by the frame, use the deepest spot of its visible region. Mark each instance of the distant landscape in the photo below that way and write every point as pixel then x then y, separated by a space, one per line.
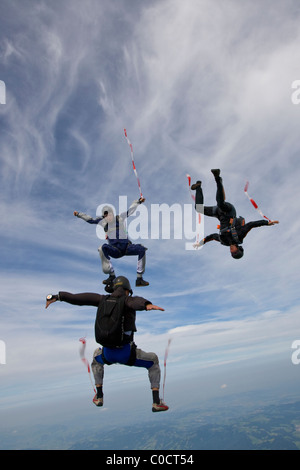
pixel 217 427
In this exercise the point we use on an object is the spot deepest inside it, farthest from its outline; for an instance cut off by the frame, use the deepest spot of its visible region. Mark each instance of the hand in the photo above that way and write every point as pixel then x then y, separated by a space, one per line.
pixel 154 307
pixel 75 213
pixel 272 222
pixel 142 199
pixel 48 302
pixel 198 244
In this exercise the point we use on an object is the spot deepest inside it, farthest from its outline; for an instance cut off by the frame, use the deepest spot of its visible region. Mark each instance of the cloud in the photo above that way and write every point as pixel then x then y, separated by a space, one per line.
pixel 197 85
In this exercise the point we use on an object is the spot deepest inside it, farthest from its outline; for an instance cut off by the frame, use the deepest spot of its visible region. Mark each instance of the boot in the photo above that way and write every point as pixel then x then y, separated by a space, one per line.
pixel 196 185
pixel 98 401
pixel 140 282
pixel 216 173
pixel 110 279
pixel 161 406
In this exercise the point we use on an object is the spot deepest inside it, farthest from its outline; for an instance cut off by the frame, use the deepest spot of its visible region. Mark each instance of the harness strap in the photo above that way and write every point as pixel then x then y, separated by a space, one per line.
pixel 132 356
pixel 234 235
pixel 232 230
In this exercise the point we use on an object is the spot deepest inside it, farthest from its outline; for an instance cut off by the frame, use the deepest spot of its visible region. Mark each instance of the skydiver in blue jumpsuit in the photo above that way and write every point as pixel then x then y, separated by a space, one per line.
pixel 118 244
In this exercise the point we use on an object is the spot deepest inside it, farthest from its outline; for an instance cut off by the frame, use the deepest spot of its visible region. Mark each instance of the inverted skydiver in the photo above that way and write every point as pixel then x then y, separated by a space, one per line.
pixel 232 229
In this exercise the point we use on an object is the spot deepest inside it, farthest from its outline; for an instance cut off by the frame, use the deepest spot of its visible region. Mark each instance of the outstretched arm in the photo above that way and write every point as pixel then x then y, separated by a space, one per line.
pixel 87 218
pixel 139 303
pixel 209 238
pixel 132 208
pixel 213 236
pixel 245 229
pixel 154 307
pixel 86 298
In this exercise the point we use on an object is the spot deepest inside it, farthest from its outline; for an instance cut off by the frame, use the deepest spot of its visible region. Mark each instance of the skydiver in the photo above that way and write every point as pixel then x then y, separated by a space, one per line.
pixel 126 354
pixel 118 243
pixel 232 229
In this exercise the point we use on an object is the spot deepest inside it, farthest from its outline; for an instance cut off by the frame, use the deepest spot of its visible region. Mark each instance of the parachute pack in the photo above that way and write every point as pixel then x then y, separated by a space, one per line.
pixel 109 324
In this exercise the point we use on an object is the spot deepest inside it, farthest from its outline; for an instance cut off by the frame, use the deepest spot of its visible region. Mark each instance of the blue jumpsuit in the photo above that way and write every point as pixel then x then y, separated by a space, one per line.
pixel 118 243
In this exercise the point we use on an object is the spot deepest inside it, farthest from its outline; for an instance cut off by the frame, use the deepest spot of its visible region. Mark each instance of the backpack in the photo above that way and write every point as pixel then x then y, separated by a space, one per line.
pixel 109 324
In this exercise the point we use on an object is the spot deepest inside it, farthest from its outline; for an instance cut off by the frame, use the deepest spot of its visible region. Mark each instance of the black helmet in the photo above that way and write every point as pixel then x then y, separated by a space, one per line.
pixel 123 282
pixel 239 253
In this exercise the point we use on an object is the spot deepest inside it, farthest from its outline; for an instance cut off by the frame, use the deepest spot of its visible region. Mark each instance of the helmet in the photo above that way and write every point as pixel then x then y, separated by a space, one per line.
pixel 123 282
pixel 239 253
pixel 106 210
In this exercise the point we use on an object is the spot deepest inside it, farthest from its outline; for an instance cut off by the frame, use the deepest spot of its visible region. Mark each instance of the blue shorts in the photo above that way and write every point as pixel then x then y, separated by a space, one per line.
pixel 122 355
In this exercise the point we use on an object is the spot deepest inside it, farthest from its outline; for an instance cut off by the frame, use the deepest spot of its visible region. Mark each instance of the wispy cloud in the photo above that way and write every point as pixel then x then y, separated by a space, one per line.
pixel 197 85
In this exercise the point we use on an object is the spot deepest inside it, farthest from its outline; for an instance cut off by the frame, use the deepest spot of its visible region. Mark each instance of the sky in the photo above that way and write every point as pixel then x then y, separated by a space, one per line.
pixel 197 85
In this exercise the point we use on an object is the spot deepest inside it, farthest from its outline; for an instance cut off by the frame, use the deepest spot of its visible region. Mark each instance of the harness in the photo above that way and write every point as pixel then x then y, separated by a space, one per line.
pixel 232 229
pixel 114 230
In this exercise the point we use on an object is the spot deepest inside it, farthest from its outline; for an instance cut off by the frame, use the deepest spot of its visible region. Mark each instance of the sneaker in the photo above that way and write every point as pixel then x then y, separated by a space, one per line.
pixel 140 282
pixel 196 185
pixel 216 173
pixel 110 279
pixel 98 401
pixel 161 406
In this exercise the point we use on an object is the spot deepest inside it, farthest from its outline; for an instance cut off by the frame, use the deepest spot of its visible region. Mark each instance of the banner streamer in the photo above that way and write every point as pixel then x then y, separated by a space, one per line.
pixel 84 360
pixel 165 366
pixel 133 164
pixel 253 202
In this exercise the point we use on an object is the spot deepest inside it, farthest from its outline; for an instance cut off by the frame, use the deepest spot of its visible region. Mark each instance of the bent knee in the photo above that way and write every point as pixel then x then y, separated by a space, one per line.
pixel 97 352
pixel 144 356
pixel 153 358
pixel 103 248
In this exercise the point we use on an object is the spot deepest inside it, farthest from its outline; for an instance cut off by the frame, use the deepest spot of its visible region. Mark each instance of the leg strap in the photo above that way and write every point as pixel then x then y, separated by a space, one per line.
pixel 132 357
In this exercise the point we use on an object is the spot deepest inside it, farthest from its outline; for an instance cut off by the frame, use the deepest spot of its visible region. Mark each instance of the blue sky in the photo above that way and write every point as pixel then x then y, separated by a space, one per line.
pixel 197 85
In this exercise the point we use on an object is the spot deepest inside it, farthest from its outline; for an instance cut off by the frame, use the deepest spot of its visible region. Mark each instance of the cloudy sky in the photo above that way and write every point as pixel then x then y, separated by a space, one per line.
pixel 198 85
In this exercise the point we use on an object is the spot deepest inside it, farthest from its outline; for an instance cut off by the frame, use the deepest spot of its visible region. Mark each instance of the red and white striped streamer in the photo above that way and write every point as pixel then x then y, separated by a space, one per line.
pixel 133 164
pixel 253 202
pixel 165 365
pixel 84 360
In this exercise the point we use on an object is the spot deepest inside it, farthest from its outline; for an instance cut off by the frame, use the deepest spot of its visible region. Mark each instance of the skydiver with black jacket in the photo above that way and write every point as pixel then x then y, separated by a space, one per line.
pixel 232 230
pixel 126 352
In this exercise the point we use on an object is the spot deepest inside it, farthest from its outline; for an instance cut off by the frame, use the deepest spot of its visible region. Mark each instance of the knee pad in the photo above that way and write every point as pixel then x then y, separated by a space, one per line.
pixel 154 358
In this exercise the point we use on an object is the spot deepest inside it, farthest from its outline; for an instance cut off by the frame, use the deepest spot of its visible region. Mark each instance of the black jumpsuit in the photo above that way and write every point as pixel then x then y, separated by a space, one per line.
pixel 224 211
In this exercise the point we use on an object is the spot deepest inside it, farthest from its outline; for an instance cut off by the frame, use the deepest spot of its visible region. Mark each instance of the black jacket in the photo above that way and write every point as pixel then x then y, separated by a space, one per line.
pixel 242 230
pixel 132 303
